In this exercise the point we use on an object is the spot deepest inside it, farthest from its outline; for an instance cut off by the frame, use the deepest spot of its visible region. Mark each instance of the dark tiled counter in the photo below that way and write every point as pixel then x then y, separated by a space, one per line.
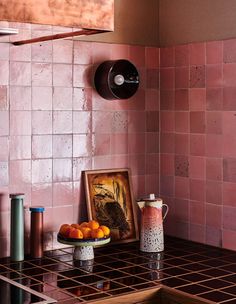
pixel 200 270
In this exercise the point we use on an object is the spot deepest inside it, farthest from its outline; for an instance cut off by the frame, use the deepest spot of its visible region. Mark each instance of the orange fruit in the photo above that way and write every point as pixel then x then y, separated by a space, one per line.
pixel 97 233
pixel 84 224
pixel 77 226
pixel 105 230
pixel 93 224
pixel 75 233
pixel 86 232
pixel 65 229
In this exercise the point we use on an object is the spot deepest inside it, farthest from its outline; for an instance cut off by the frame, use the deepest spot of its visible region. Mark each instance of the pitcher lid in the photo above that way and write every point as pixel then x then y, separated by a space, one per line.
pixel 150 198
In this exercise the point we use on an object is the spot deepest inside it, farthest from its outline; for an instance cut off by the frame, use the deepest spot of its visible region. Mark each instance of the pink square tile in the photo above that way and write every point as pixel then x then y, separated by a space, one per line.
pixel 182 210
pixel 20 123
pixel 152 100
pixel 137 164
pixel 102 52
pixel 4 104
pixel 182 77
pixel 20 98
pixel 214 168
pixel 229 123
pixel 42 74
pixel 197 145
pixel 214 75
pixel 181 187
pixel 4 151
pixel 167 99
pixel 213 236
pixel 137 121
pixel 5 51
pixel 82 76
pixel 41 98
pixel 4 206
pixel 182 100
pixel 152 57
pixel 182 122
pixel 182 230
pixel 102 121
pixel 229 75
pixel 229 99
pixel 136 143
pixel 167 56
pixel 42 195
pixel 80 164
pixel 197 212
pixel 152 78
pixel 214 99
pixel 42 52
pixel 182 55
pixel 138 182
pixel 229 239
pixel 62 170
pixel 62 122
pixel 137 55
pixel 197 76
pixel 119 51
pixel 214 192
pixel 181 165
pixel 82 99
pixel 4 175
pixel 119 143
pixel 197 190
pixel 167 78
pixel 197 53
pixel 20 172
pixel 82 122
pixel 152 163
pixel 41 146
pixel 152 142
pixel 62 75
pixel 213 215
pixel 137 102
pixel 62 194
pixel 167 186
pixel 4 72
pixel 82 145
pixel 229 166
pixel 214 122
pixel 197 167
pixel 62 145
pixel 152 121
pixel 182 144
pixel 62 98
pixel 101 144
pixel 120 161
pixel 63 51
pixel 167 121
pixel 167 142
pixel 41 171
pixel 213 145
pixel 197 99
pixel 214 52
pixel 167 164
pixel 197 233
pixel 229 194
pixel 20 147
pixel 229 50
pixel 102 162
pixel 119 122
pixel 197 122
pixel 82 52
pixel 229 214
pixel 62 215
pixel 41 122
pixel 4 123
pixel 20 73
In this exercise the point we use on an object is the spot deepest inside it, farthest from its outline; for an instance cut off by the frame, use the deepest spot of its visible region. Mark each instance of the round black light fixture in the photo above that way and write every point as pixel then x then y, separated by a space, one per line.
pixel 116 79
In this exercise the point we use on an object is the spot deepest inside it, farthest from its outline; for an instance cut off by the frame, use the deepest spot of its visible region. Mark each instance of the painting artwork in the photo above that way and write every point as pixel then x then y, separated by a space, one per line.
pixel 110 202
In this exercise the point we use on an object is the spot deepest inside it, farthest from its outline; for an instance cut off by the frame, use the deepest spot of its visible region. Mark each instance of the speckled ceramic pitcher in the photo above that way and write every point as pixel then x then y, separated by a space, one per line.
pixel 151 235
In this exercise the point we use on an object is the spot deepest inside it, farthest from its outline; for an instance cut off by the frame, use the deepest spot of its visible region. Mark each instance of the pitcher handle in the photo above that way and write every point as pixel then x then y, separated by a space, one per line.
pixel 165 213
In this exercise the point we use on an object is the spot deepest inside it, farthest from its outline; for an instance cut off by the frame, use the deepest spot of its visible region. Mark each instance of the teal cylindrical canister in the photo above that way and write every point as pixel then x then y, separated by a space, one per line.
pixel 17 227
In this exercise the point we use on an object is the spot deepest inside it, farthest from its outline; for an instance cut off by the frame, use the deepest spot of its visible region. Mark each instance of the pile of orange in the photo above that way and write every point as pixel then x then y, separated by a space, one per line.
pixel 85 230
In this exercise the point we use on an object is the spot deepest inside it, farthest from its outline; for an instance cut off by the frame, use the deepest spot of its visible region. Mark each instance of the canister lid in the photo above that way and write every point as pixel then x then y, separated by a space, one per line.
pixel 37 209
pixel 17 195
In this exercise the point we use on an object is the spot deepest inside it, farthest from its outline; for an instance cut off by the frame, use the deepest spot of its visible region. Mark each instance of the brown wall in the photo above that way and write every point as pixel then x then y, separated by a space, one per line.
pixel 136 22
pixel 184 21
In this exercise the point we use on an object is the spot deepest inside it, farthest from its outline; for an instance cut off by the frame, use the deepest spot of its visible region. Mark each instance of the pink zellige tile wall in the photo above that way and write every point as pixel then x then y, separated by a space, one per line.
pixel 198 141
pixel 53 125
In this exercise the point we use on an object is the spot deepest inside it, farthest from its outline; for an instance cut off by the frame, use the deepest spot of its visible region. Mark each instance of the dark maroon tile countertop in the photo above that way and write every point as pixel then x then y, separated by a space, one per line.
pixel 194 268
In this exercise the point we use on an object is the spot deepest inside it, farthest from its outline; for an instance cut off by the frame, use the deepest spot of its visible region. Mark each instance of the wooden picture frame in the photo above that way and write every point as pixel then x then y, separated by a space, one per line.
pixel 110 201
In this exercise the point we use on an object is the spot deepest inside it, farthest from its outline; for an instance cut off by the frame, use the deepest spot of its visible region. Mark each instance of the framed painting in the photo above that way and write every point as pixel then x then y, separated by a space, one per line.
pixel 110 201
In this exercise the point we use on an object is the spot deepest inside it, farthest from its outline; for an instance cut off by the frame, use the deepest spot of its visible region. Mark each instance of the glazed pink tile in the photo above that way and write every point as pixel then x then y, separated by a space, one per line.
pixel 41 146
pixel 120 161
pixel 229 214
pixel 167 186
pixel 41 122
pixel 182 144
pixel 167 78
pixel 101 121
pixel 197 76
pixel 214 145
pixel 152 78
pixel 82 145
pixel 61 215
pixel 137 55
pixel 62 122
pixel 41 98
pixel 82 122
pixel 82 76
pixel 20 123
pixel 63 51
pixel 213 215
pixel 4 175
pixel 214 122
pixel 214 52
pixel 4 199
pixel 167 164
pixel 167 142
pixel 62 145
pixel 6 222
pixel 152 121
pixel 119 51
pixel 213 236
pixel 182 230
pixel 138 183
pixel 41 171
pixel 228 239
pixel 214 192
pixel 4 151
pixel 214 75
pixel 137 164
pixel 42 195
pixel 42 74
pixel 197 190
pixel 152 100
pixel 229 50
pixel 62 170
pixel 102 162
pixel 229 74
pixel 82 99
pixel 136 122
pixel 181 165
pixel 20 73
pixel 20 147
pixel 80 164
pixel 197 212
pixel 4 72
pixel 214 99
pixel 62 194
pixel 182 210
pixel 229 122
pixel 167 121
pixel 152 57
pixel 136 143
pixel 182 122
pixel 181 187
pixel 167 58
pixel 197 53
pixel 197 99
pixel 229 165
pixel 167 100
pixel 119 143
pixel 20 172
pixel 136 102
pixel 62 75
pixel 229 194
pixel 42 52
pixel 197 144
pixel 62 98
pixel 5 50
pixel 182 100
pixel 4 104
pixel 152 163
pixel 229 99
pixel 20 98
pixel 182 77
pixel 82 52
pixel 197 167
pixel 197 233
pixel 182 55
pixel 4 123
pixel 102 52
pixel 101 144
pixel 197 122
pixel 23 53
pixel 152 142
pixel 119 122
pixel 214 168
pixel 5 246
